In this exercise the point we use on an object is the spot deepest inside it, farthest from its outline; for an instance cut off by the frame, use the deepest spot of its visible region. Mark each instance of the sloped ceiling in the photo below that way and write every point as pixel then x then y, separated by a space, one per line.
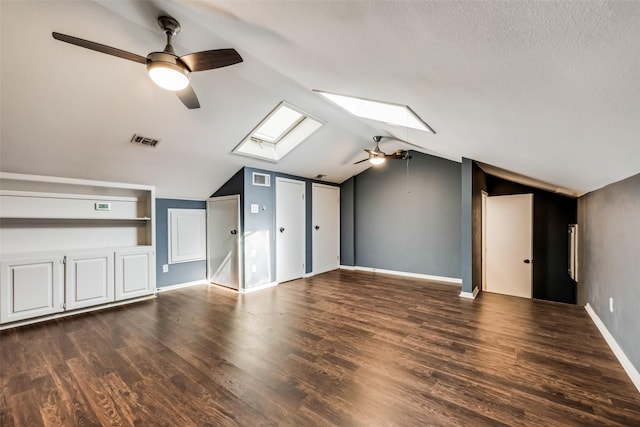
pixel 544 89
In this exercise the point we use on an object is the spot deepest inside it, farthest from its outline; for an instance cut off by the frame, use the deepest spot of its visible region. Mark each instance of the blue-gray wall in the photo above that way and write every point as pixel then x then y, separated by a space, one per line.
pixel 407 216
pixel 183 272
pixel 262 225
pixel 609 264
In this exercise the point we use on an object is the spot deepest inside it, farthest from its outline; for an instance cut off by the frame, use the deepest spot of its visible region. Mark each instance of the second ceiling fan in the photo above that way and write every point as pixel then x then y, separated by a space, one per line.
pixel 165 68
pixel 377 156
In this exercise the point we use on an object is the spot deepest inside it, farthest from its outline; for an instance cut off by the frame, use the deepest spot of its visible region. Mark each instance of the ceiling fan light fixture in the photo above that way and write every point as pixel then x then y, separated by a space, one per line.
pixel 167 71
pixel 376 160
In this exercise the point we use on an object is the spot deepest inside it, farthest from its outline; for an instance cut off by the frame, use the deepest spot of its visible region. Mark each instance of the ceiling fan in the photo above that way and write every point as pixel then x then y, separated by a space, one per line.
pixel 165 68
pixel 377 156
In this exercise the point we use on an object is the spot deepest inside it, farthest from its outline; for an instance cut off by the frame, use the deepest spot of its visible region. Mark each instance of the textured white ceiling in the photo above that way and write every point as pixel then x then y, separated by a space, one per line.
pixel 545 89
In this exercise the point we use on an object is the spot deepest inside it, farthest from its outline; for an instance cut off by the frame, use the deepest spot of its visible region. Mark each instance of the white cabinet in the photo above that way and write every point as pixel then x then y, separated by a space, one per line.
pixel 135 273
pixel 88 279
pixel 72 245
pixel 31 287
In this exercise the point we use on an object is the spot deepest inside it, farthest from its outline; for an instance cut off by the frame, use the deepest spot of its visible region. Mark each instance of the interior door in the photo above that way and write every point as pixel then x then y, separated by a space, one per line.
pixel 326 227
pixel 290 227
pixel 509 245
pixel 223 241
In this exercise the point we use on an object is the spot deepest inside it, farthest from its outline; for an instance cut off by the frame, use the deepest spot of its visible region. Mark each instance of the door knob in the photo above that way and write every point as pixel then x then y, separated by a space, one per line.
pixel 282 229
pixel 527 261
pixel 317 227
pixel 234 232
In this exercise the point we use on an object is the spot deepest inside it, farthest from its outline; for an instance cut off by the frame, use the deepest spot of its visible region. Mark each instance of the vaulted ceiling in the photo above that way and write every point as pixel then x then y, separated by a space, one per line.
pixel 545 89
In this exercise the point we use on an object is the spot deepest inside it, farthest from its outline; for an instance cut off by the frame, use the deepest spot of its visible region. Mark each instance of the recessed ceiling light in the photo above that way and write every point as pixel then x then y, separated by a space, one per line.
pixel 281 131
pixel 394 114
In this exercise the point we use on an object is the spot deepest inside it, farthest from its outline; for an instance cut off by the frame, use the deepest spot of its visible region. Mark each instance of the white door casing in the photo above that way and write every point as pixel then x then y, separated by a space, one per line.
pixel 509 244
pixel 325 227
pixel 290 229
pixel 223 241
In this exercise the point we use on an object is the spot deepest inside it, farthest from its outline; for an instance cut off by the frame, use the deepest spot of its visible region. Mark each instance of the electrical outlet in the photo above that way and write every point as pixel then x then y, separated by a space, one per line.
pixel 253 268
pixel 165 268
pixel 611 305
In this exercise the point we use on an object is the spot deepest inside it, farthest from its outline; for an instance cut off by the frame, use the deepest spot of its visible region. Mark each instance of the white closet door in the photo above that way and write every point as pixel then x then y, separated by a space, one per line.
pixel 509 245
pixel 223 241
pixel 326 227
pixel 290 229
pixel 89 279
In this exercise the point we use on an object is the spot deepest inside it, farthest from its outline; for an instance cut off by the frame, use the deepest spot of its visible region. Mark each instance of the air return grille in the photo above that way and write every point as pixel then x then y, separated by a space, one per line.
pixel 261 179
pixel 144 140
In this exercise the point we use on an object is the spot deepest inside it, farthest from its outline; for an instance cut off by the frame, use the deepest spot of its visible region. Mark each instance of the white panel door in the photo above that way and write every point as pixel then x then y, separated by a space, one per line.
pixel 88 279
pixel 326 227
pixel 30 287
pixel 223 241
pixel 509 245
pixel 135 273
pixel 290 228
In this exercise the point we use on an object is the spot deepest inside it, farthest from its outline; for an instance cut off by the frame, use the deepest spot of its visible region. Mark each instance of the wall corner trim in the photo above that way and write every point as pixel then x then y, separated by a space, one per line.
pixel 259 288
pixel 470 295
pixel 622 358
pixel 347 267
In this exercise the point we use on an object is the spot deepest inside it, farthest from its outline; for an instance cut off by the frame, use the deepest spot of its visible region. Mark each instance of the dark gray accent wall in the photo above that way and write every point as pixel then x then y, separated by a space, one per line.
pixel 183 272
pixel 609 264
pixel 552 214
pixel 347 226
pixel 407 216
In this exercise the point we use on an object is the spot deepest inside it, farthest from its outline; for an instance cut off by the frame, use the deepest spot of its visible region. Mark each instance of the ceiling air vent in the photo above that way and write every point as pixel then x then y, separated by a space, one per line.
pixel 144 140
pixel 261 179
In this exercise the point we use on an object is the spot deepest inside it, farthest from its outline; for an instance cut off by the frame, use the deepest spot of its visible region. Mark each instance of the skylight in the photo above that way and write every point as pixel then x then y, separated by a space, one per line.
pixel 394 114
pixel 280 132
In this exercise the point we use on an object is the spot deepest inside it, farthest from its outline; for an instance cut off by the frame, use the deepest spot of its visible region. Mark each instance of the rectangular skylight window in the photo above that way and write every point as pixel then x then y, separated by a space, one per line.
pixel 278 124
pixel 280 132
pixel 394 114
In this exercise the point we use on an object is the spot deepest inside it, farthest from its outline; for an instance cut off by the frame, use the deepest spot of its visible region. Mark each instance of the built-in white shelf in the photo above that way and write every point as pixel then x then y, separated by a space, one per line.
pixel 72 245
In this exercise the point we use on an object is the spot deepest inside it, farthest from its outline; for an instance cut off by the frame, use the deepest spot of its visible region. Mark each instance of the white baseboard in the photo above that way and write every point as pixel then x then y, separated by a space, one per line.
pixel 181 285
pixel 308 275
pixel 470 295
pixel 441 279
pixel 622 358
pixel 259 288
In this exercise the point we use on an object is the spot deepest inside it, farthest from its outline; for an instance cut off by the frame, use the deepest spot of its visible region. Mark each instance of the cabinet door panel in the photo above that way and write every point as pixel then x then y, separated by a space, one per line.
pixel 89 279
pixel 30 287
pixel 134 273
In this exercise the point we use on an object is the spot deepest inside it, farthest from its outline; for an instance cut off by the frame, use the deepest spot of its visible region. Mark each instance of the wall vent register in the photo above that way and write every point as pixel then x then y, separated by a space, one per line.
pixel 261 179
pixel 144 140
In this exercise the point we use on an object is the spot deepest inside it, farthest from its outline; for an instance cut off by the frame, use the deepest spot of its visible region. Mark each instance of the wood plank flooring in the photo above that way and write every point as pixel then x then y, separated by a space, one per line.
pixel 342 348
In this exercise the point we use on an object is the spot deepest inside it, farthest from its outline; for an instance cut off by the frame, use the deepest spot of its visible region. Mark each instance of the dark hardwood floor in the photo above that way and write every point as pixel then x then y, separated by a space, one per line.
pixel 342 348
